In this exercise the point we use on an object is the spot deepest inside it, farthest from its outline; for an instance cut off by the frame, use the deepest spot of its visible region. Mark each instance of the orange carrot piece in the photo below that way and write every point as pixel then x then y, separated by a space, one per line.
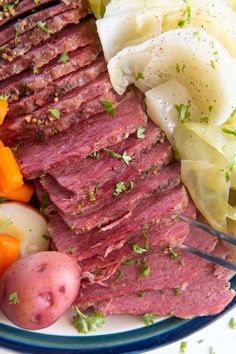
pixel 22 194
pixel 3 110
pixel 10 174
pixel 9 251
pixel 1 144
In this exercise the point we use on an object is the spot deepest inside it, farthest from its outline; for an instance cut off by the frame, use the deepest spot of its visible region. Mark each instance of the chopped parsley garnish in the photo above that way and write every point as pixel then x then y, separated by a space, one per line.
pixel 197 35
pixel 125 157
pixel 187 17
pixel 46 237
pixel 200 341
pixel 109 107
pixel 7 6
pixel 139 76
pixel 204 120
pixel 139 249
pixel 232 323
pixel 213 64
pixel 5 224
pixel 95 155
pixel 179 68
pixel 71 250
pixel 14 299
pixel 16 36
pixel 38 2
pixel 184 114
pixel 120 187
pixel 174 254
pixel 129 262
pixel 149 319
pixel 55 112
pixel 228 131
pixel 177 292
pixel 44 202
pixel 4 97
pixel 35 70
pixel 145 270
pixel 63 58
pixel 43 26
pixel 141 294
pixel 183 347
pixel 3 47
pixel 88 323
pixel 140 132
pixel 92 197
pixel 210 108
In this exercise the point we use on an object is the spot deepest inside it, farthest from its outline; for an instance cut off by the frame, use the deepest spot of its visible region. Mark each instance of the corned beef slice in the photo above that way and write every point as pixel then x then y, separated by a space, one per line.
pixel 27 82
pixel 25 6
pixel 207 294
pixel 108 208
pixel 31 21
pixel 59 87
pixel 150 162
pixel 69 107
pixel 98 241
pixel 23 43
pixel 67 40
pixel 80 141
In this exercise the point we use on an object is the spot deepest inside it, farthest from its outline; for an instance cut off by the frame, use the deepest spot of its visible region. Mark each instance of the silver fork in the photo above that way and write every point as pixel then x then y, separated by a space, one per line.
pixel 210 257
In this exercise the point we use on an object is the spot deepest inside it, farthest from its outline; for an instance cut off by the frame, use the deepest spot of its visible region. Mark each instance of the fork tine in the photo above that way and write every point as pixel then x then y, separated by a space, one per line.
pixel 209 257
pixel 218 234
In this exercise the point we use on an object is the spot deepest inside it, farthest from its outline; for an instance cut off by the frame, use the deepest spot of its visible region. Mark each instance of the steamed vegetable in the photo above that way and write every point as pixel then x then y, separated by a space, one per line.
pixel 22 194
pixel 98 7
pixel 37 290
pixel 10 174
pixel 203 66
pixel 3 109
pixel 27 225
pixel 9 251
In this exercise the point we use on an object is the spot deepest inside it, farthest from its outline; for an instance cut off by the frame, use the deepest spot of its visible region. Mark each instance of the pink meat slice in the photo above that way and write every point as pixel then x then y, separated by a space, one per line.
pixel 206 294
pixel 80 141
pixel 67 40
pixel 99 241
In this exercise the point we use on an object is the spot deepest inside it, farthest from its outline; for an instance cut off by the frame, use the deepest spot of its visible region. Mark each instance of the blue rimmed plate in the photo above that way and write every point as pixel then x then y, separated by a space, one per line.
pixel 121 334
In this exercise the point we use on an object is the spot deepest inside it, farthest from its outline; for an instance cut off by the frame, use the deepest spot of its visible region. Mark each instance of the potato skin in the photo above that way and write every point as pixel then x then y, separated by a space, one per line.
pixel 46 283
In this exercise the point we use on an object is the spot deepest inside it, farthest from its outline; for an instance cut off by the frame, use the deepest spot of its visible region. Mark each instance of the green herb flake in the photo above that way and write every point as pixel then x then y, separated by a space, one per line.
pixel 138 249
pixel 37 2
pixel 213 64
pixel 149 319
pixel 126 158
pixel 4 97
pixel 88 323
pixel 64 58
pixel 200 341
pixel 5 223
pixel 10 6
pixel 92 197
pixel 71 250
pixel 113 154
pixel 177 292
pixel 187 17
pixel 109 107
pixel 13 298
pixel 174 254
pixel 183 347
pixel 120 187
pixel 197 35
pixel 95 155
pixel 14 148
pixel 129 262
pixel 183 111
pixel 55 112
pixel 17 32
pixel 3 47
pixel 35 70
pixel 179 68
pixel 204 120
pixel 43 26
pixel 232 323
pixel 228 131
pixel 145 271
pixel 210 108
pixel 139 76
pixel 44 202
pixel 140 132
pixel 141 294
pixel 46 237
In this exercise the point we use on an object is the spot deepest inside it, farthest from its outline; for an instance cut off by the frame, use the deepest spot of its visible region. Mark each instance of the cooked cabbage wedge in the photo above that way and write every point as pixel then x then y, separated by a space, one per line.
pixel 192 58
pixel 121 31
pixel 208 160
pixel 98 7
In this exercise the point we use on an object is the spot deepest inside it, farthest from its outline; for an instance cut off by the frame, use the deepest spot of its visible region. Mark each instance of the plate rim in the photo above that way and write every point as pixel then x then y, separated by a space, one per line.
pixel 132 341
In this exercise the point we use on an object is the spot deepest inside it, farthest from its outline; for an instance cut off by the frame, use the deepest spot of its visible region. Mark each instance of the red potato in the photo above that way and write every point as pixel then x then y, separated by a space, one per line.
pixel 37 290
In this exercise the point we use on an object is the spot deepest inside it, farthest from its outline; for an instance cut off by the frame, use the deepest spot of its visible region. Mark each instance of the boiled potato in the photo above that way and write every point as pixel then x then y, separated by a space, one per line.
pixel 37 290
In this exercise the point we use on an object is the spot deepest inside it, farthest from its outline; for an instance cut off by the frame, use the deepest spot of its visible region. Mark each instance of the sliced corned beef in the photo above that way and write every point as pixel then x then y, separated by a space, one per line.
pixel 67 40
pixel 23 7
pixel 105 167
pixel 21 44
pixel 82 139
pixel 207 294
pixel 27 82
pixel 168 234
pixel 43 123
pixel 29 22
pixel 98 241
pixel 150 162
pixel 56 89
